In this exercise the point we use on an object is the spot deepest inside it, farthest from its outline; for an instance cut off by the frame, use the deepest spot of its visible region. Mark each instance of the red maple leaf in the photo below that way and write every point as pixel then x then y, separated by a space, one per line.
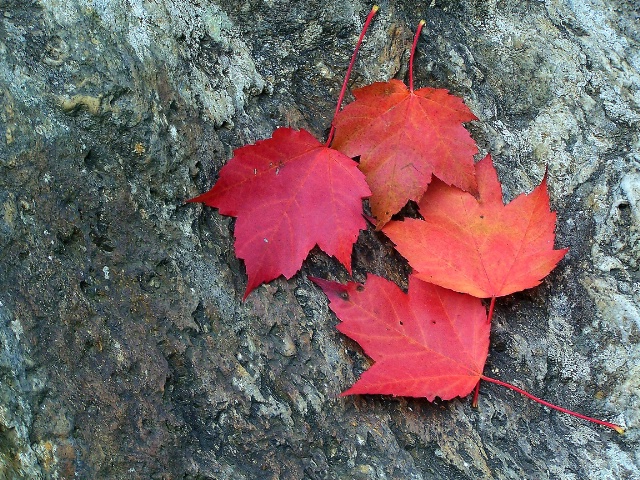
pixel 480 246
pixel 403 137
pixel 289 193
pixel 429 342
pixel 426 343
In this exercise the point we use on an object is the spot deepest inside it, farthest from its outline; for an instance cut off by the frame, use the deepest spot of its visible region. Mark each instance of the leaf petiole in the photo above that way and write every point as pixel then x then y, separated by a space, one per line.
pixel 476 393
pixel 343 90
pixel 617 428
pixel 492 307
pixel 413 51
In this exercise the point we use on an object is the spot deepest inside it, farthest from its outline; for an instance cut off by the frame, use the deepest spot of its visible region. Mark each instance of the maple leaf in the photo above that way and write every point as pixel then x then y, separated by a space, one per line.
pixel 289 193
pixel 403 137
pixel 426 343
pixel 480 246
pixel 429 342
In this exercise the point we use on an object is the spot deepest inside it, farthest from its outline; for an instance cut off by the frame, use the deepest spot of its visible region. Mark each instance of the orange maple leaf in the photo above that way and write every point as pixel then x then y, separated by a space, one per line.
pixel 403 137
pixel 480 246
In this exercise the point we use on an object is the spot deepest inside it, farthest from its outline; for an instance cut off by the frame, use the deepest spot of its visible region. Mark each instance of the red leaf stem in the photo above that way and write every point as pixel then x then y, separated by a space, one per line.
pixel 343 90
pixel 476 392
pixel 617 428
pixel 413 51
pixel 492 307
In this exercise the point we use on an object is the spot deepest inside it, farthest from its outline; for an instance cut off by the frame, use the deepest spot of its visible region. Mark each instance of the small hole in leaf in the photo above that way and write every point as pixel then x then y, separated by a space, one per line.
pixel 433 322
pixel 481 216
pixel 360 288
pixel 344 295
pixel 401 323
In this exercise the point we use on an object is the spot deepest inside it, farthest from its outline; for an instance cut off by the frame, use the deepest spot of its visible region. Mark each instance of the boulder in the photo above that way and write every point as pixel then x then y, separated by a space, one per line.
pixel 126 350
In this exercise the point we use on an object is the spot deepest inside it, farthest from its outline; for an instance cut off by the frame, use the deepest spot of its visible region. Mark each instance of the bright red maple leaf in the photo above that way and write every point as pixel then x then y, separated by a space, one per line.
pixel 289 193
pixel 430 342
pixel 480 246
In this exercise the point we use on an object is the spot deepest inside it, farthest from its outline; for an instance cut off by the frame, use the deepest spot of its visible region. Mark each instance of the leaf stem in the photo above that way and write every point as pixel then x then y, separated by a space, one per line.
pixel 617 428
pixel 492 307
pixel 343 90
pixel 413 51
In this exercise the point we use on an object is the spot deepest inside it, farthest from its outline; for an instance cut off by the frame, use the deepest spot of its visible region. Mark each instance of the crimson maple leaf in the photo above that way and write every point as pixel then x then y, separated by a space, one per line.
pixel 289 193
pixel 480 246
pixel 426 343
pixel 429 342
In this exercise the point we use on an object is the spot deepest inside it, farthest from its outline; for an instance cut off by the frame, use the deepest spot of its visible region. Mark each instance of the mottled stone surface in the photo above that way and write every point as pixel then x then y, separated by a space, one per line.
pixel 125 349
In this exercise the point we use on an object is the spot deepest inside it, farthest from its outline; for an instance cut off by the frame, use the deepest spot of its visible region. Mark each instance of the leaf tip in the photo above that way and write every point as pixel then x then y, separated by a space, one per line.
pixel 331 289
pixel 318 281
pixel 370 219
pixel 381 224
pixel 254 283
pixel 350 391
pixel 544 183
pixel 375 8
pixel 209 198
pixel 546 173
pixel 246 293
pixel 196 199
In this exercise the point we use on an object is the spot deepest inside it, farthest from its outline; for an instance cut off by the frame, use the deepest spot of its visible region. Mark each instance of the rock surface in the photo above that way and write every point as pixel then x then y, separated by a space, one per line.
pixel 125 349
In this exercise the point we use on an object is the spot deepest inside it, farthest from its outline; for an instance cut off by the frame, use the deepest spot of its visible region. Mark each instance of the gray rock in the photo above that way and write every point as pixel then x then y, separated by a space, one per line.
pixel 125 348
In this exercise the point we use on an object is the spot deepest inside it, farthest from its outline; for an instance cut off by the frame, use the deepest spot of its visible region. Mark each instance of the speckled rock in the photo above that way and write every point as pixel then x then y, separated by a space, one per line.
pixel 125 349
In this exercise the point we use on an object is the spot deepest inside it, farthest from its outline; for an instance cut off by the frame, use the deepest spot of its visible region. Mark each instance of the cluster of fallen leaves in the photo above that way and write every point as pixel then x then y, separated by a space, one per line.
pixel 292 192
pixel 465 249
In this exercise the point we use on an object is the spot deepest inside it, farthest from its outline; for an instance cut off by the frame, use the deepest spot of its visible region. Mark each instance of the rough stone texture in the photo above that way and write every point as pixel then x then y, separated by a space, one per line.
pixel 125 349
